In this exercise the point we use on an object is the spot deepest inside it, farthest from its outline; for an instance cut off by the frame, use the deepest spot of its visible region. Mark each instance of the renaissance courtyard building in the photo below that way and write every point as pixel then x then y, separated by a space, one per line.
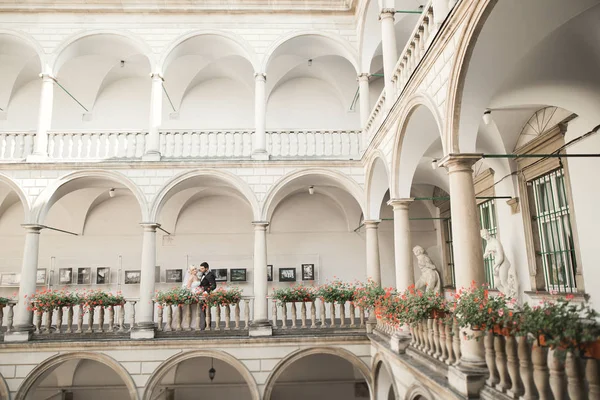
pixel 291 141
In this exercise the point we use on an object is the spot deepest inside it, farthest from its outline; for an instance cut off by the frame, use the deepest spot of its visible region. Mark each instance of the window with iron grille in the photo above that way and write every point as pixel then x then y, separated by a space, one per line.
pixel 556 249
pixel 449 250
pixel 487 220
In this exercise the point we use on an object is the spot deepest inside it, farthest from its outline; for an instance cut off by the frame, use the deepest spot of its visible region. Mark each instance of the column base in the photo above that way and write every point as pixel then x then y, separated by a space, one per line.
pixel 143 330
pixel 36 158
pixel 20 334
pixel 260 155
pixel 371 322
pixel 468 381
pixel 399 342
pixel 151 156
pixel 260 328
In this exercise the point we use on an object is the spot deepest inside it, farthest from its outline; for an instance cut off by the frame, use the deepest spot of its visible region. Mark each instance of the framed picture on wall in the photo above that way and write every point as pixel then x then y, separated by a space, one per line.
pixel 133 277
pixel 220 274
pixel 269 273
pixel 308 272
pixel 84 276
pixel 10 279
pixel 287 274
pixel 102 276
pixel 157 274
pixel 174 275
pixel 238 275
pixel 40 277
pixel 65 276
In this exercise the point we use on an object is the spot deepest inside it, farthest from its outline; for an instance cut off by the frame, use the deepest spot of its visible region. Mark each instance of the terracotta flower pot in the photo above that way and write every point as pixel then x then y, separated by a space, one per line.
pixel 591 350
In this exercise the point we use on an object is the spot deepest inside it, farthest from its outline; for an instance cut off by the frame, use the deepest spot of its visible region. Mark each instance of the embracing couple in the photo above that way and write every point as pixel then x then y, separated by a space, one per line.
pixel 200 279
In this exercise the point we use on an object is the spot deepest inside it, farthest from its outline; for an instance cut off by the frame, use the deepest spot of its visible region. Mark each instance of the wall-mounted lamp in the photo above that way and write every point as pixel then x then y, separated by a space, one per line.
pixel 310 62
pixel 212 371
pixel 122 63
pixel 111 192
pixel 311 190
pixel 487 117
pixel 434 164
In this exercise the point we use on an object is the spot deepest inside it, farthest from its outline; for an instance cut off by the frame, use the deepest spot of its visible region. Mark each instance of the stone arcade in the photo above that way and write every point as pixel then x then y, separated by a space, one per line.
pixel 141 137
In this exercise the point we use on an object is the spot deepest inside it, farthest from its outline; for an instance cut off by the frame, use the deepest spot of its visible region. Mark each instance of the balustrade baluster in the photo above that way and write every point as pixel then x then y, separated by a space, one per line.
pixel 121 318
pixel 159 317
pixel 132 325
pixel 456 341
pixel 499 348
pixel 48 324
pixel 90 328
pixel 322 311
pixel 3 140
pixel 283 315
pixel 227 317
pixel 218 318
pixel 490 359
pixel 541 378
pixel 592 376
pixel 332 314
pixel 575 384
pixel 294 314
pixel 38 322
pixel 342 315
pixel 448 329
pixel 247 312
pixel 179 317
pixel 361 313
pixel 198 316
pixel 313 315
pixel 437 348
pixel 59 318
pixel 526 368
pixel 101 319
pixel 169 312
pixel 443 354
pixel 1 317
pixel 208 317
pixel 69 319
pixel 352 315
pixel 80 319
pixel 274 314
pixel 188 317
pixel 558 384
pixel 430 339
pixel 303 314
pixel 512 363
pixel 413 339
pixel 236 311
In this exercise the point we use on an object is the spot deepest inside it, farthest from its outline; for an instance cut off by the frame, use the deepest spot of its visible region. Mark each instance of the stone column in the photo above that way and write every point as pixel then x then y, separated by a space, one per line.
pixel 390 53
pixel 260 325
pixel 23 317
pixel 373 268
pixel 156 96
pixel 469 376
pixel 144 328
pixel 40 150
pixel 259 152
pixel 402 244
pixel 365 101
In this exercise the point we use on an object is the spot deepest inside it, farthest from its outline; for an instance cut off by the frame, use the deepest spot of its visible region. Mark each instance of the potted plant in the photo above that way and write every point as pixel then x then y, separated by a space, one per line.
pixel 391 308
pixel 4 301
pixel 367 296
pixel 336 292
pixel 176 296
pixel 224 296
pixel 298 293
pixel 49 300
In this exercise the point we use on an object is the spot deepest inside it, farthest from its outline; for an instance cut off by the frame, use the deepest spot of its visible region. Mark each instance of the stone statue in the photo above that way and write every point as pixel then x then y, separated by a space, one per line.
pixel 505 276
pixel 430 278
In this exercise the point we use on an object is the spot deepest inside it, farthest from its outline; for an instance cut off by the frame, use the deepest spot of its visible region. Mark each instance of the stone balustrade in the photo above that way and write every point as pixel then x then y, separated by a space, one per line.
pixel 8 309
pixel 316 314
pixel 96 145
pixel 188 317
pixel 15 146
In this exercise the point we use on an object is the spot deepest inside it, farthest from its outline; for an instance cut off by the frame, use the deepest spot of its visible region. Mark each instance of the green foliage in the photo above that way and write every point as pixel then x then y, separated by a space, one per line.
pixel 48 300
pixel 368 295
pixel 224 297
pixel 336 292
pixel 298 293
pixel 176 296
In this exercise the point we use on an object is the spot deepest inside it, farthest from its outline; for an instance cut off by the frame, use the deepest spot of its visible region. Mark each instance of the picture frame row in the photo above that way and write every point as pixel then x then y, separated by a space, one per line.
pixel 83 276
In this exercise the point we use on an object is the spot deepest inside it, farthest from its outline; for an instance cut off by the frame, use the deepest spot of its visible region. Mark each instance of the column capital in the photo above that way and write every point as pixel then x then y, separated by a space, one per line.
pixel 401 204
pixel 32 228
pixel 258 225
pixel 157 76
pixel 47 76
pixel 456 162
pixel 150 226
pixel 363 77
pixel 387 13
pixel 260 76
pixel 371 223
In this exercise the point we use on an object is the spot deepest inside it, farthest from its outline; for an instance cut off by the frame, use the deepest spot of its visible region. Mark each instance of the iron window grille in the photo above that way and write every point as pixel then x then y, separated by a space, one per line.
pixel 450 250
pixel 487 220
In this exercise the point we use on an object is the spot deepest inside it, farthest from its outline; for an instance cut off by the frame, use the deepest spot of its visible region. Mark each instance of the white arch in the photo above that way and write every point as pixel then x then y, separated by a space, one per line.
pixel 29 40
pixel 173 361
pixel 231 179
pixel 248 51
pixel 345 182
pixel 56 360
pixel 45 199
pixel 348 51
pixel 409 107
pixel 14 186
pixel 376 186
pixel 144 48
pixel 297 355
pixel 379 363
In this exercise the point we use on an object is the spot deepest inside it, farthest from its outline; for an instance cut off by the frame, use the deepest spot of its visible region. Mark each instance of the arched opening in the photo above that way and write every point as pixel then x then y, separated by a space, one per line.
pixel 78 376
pixel 106 73
pixel 207 215
pixel 188 376
pixel 319 375
pixel 209 79
pixel 300 68
pixel 384 383
pixel 20 66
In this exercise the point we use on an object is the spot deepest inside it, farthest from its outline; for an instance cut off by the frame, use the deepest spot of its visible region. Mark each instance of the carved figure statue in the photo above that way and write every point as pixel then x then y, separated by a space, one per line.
pixel 505 276
pixel 430 278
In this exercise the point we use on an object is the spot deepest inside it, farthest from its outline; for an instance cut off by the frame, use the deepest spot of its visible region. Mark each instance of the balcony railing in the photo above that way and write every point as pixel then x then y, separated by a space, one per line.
pixel 316 315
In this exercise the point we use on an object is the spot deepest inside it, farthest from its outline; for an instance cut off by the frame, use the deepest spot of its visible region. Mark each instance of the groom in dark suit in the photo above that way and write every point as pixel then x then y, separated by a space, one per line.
pixel 207 278
pixel 208 283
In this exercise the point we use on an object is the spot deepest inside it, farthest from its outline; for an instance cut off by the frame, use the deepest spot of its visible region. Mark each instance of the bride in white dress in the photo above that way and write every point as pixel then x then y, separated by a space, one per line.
pixel 191 280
